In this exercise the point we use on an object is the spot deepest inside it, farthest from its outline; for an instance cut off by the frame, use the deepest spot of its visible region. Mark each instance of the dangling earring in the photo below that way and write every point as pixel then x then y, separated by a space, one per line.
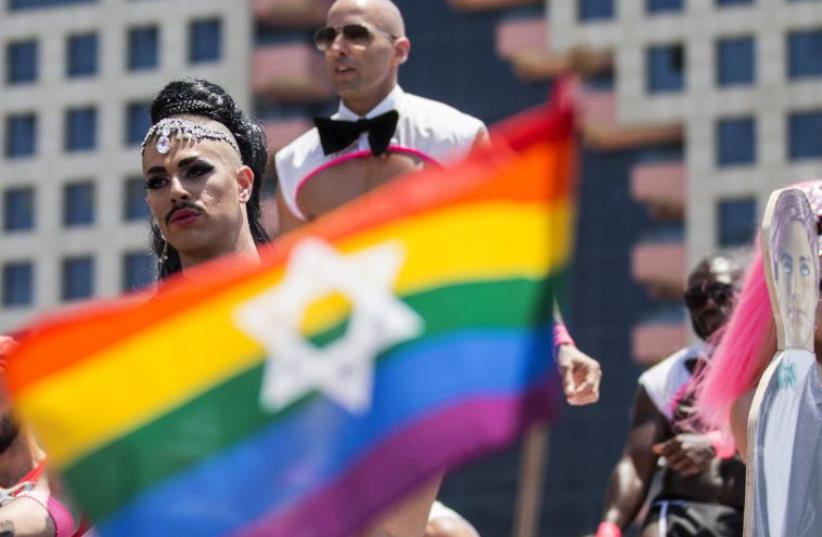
pixel 164 253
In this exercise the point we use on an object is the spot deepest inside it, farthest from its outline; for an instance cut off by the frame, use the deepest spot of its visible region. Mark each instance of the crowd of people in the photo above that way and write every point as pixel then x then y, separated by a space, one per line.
pixel 204 161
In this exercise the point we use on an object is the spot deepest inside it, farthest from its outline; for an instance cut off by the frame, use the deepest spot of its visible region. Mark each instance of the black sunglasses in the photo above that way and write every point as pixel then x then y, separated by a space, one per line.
pixel 356 34
pixel 720 293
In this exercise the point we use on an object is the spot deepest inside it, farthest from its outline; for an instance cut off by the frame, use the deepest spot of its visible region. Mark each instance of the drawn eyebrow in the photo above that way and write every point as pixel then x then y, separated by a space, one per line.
pixel 182 164
pixel 186 161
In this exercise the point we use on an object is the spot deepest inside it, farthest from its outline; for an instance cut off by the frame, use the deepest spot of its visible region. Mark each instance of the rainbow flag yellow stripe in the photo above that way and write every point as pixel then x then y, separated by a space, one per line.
pixel 484 246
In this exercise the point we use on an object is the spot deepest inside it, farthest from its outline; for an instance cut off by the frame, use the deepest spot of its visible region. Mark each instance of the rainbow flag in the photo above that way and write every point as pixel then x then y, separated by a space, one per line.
pixel 403 335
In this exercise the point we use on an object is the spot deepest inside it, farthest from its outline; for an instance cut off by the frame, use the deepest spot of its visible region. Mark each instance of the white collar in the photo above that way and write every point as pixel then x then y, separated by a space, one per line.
pixel 391 102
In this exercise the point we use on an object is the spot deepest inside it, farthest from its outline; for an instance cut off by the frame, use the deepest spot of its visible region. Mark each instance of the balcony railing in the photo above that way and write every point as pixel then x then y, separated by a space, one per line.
pixel 281 132
pixel 292 72
pixel 661 265
pixel 483 5
pixel 662 185
pixel 291 13
pixel 522 37
pixel 602 129
pixel 653 340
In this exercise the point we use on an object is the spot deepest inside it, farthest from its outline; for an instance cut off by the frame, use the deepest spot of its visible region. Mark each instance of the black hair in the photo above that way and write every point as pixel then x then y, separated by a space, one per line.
pixel 200 97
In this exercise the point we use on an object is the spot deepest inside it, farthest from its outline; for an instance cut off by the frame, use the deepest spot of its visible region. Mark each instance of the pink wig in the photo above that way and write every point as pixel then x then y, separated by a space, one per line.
pixel 746 346
pixel 747 343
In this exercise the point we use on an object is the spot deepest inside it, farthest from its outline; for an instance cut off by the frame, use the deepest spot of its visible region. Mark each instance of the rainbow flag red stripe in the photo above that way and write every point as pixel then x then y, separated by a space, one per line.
pixel 401 335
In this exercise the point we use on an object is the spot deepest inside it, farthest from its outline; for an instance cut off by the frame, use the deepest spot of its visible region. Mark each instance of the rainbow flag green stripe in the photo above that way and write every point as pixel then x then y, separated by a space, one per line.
pixel 153 410
pixel 148 449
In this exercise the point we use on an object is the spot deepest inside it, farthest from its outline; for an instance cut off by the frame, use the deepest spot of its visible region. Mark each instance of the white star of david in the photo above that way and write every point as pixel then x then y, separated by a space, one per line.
pixel 342 370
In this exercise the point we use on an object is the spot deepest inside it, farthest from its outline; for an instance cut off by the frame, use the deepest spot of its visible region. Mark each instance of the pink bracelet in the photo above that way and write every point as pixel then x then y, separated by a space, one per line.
pixel 561 336
pixel 608 529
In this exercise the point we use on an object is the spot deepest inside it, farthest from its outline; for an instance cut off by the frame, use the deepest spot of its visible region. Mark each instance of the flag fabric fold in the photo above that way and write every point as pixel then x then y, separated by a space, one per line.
pixel 402 335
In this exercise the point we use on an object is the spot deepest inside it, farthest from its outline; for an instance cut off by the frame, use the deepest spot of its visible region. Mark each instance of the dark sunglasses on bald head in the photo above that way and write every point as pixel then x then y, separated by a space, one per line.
pixel 697 296
pixel 356 34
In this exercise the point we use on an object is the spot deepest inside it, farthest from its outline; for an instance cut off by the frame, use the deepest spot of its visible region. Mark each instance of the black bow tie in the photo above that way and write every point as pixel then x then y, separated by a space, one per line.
pixel 336 135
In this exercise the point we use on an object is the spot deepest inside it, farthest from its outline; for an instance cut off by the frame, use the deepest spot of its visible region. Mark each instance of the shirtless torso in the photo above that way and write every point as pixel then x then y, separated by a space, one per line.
pixel 311 184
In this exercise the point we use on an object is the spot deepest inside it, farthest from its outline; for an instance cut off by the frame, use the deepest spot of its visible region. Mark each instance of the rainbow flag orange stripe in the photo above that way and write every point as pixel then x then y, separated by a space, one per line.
pixel 400 335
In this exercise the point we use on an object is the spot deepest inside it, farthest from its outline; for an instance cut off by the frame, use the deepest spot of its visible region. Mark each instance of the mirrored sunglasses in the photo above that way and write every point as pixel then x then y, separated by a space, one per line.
pixel 355 34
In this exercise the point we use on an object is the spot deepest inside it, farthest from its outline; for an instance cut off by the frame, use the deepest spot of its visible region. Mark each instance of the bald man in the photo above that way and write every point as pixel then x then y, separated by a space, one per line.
pixel 379 130
pixel 378 133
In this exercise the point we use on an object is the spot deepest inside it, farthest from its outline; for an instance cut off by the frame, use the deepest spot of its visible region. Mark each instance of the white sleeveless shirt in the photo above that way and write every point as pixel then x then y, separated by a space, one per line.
pixel 429 130
pixel 665 379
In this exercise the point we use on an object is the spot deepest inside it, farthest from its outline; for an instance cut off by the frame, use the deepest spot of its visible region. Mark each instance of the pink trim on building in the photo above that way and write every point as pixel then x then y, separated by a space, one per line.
pixel 660 184
pixel 659 264
pixel 291 72
pixel 290 13
pixel 522 37
pixel 654 340
pixel 280 133
pixel 482 5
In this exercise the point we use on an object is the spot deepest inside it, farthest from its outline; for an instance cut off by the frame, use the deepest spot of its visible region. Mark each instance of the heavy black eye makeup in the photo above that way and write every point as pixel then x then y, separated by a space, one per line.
pixel 156 182
pixel 197 168
pixel 190 168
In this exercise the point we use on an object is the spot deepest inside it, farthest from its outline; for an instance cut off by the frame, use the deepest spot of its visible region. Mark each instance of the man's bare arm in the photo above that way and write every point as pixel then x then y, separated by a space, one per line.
pixel 633 473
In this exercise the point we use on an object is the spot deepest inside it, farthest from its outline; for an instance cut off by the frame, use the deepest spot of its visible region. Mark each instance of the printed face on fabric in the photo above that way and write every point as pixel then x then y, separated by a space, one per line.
pixel 793 245
pixel 363 46
pixel 813 191
pixel 796 279
pixel 197 188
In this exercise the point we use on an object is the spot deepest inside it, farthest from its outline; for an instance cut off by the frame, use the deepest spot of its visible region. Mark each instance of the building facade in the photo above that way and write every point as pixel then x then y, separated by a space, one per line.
pixel 77 79
pixel 679 154
pixel 742 77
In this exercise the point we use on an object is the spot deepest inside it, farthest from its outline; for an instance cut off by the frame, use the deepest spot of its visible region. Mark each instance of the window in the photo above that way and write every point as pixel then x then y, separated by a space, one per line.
pixel 80 129
pixel 805 54
pixel 81 55
pixel 593 10
pixel 665 69
pixel 15 5
pixel 723 3
pixel 77 278
pixel 18 284
pixel 78 204
pixel 21 135
pixel 735 61
pixel 138 121
pixel 737 221
pixel 803 135
pixel 18 209
pixel 21 62
pixel 664 6
pixel 143 48
pixel 134 200
pixel 138 270
pixel 204 41
pixel 736 142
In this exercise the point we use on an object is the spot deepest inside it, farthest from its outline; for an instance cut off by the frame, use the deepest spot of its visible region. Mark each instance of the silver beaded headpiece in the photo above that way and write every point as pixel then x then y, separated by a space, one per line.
pixel 183 129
